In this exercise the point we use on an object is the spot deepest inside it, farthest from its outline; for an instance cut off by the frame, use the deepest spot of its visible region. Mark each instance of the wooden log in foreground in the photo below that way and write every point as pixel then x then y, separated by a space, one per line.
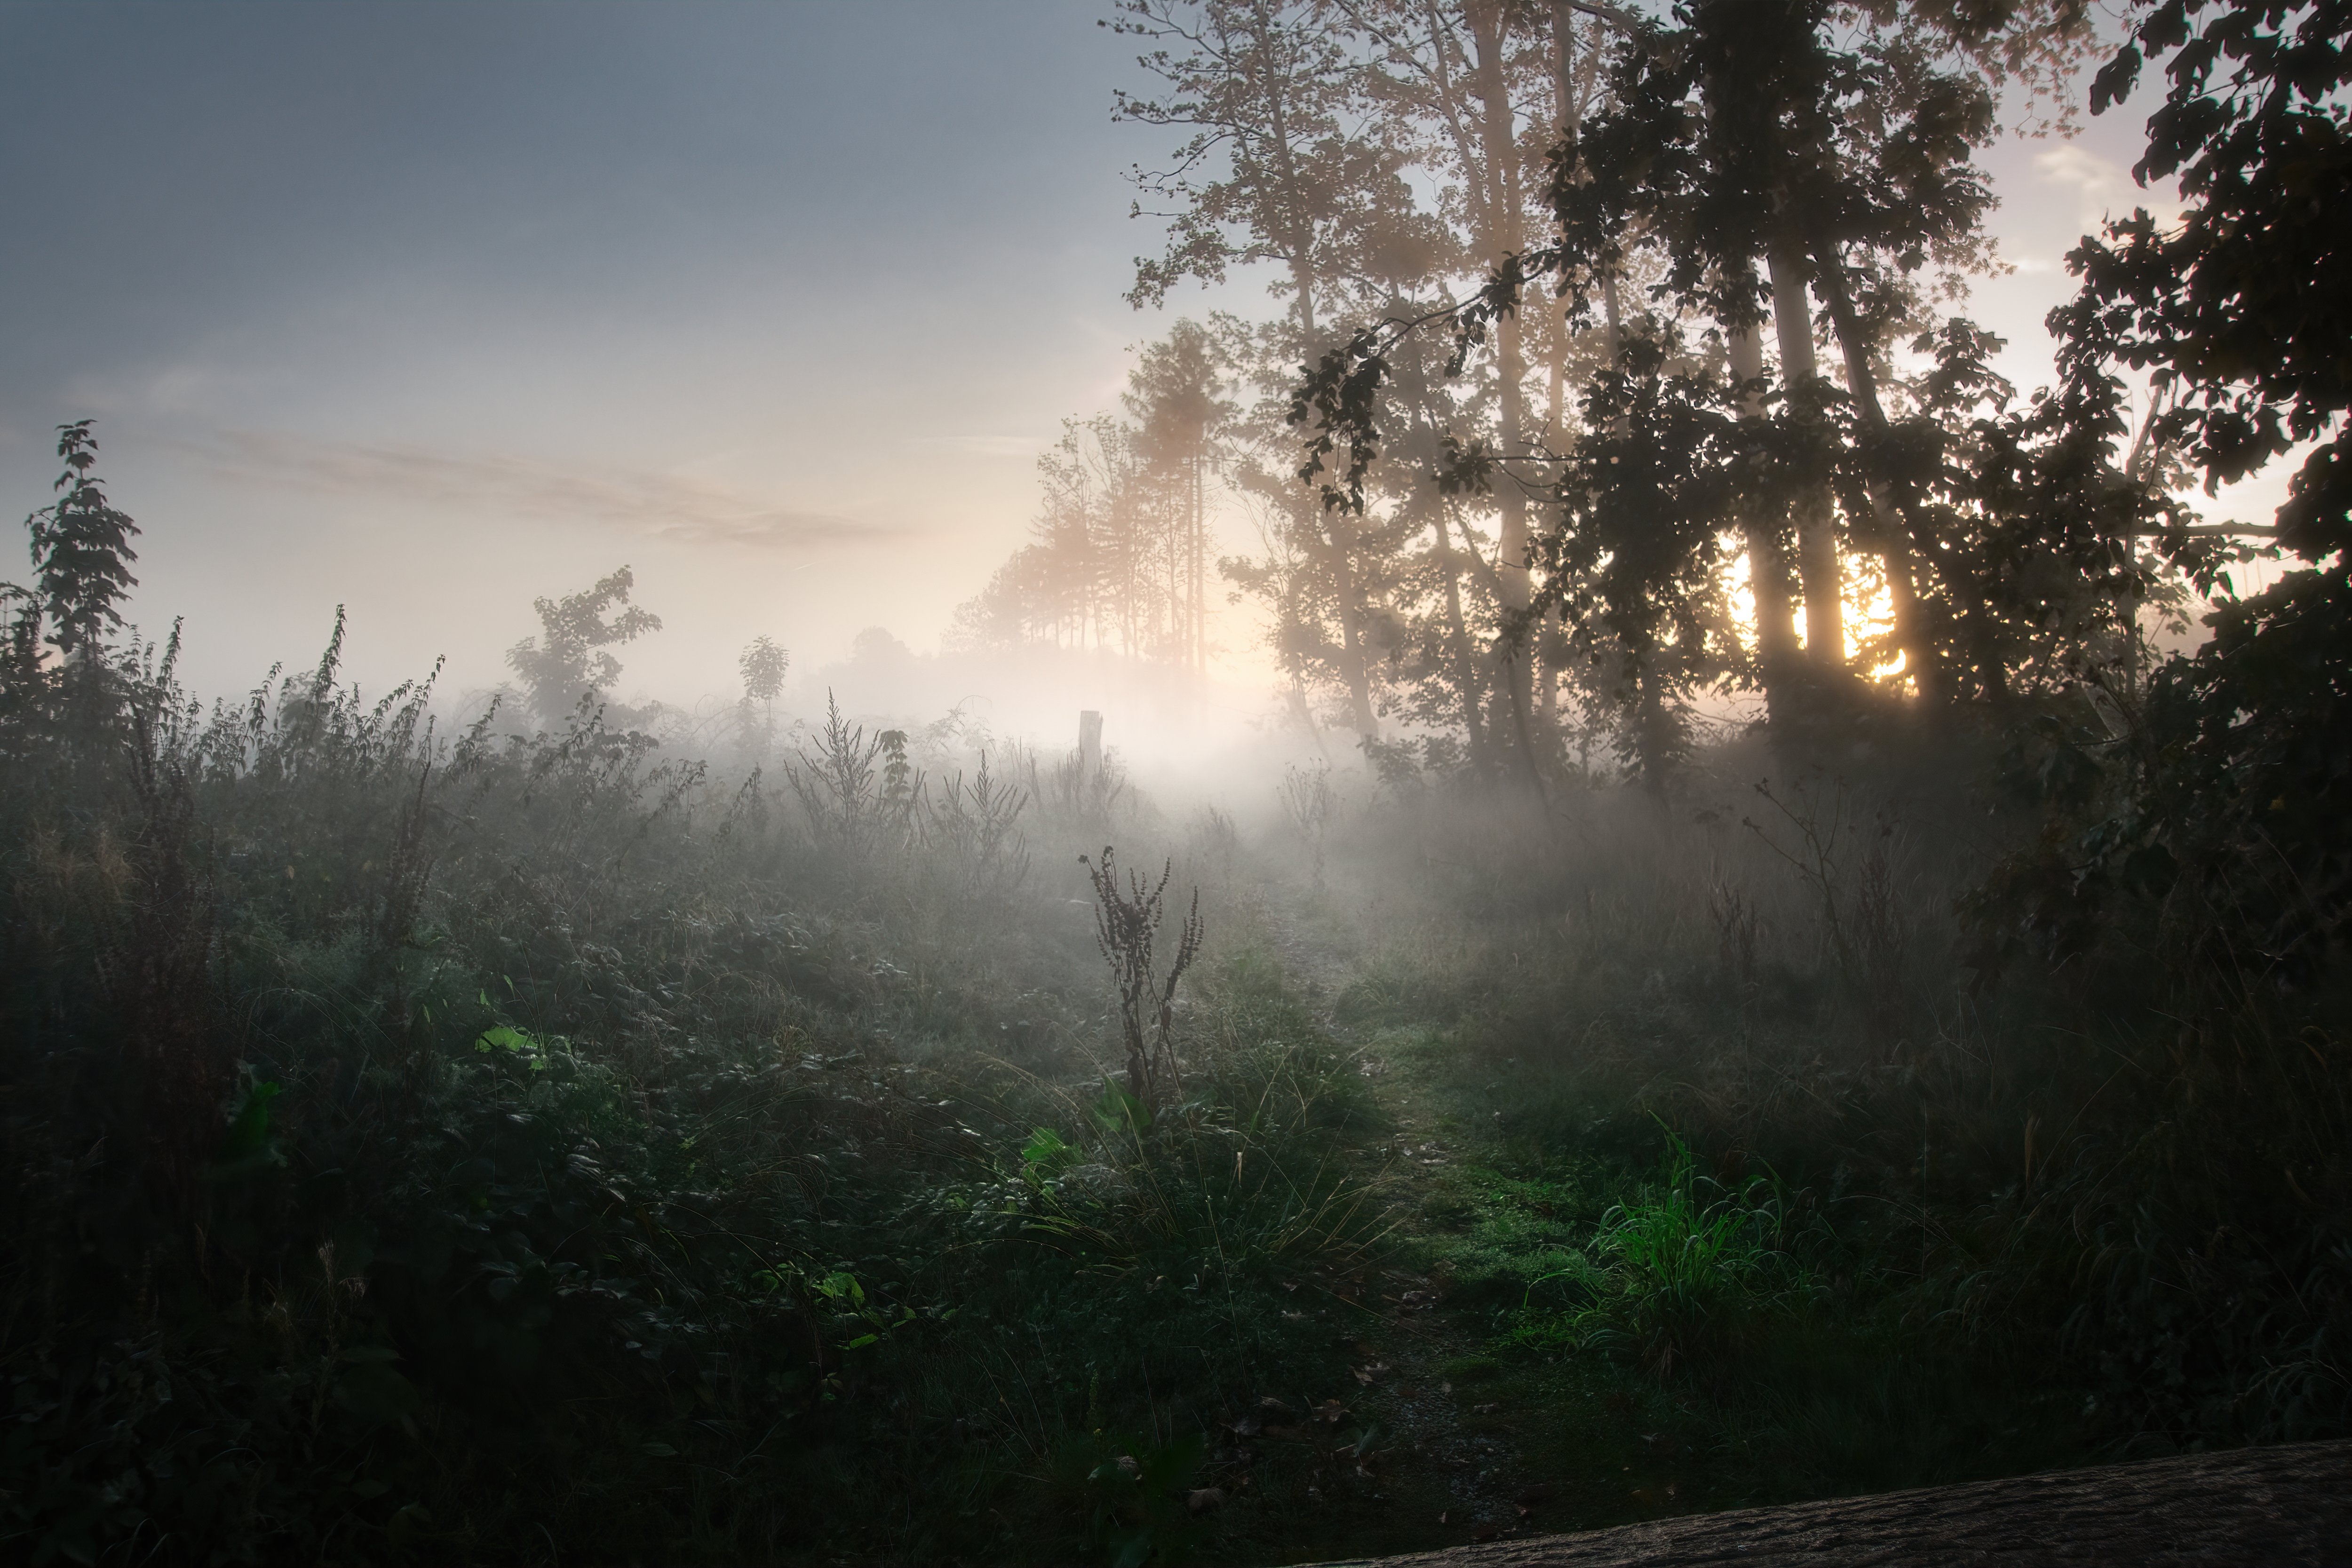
pixel 2283 1505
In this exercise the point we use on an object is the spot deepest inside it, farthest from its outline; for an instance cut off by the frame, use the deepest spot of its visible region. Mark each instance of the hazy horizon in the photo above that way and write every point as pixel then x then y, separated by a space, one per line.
pixel 430 311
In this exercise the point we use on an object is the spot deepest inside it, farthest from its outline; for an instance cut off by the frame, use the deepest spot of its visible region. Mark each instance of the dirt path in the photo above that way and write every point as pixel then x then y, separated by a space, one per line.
pixel 1442 1464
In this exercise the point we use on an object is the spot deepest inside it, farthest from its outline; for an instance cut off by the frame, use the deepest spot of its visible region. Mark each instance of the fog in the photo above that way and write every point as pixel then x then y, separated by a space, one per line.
pixel 1152 781
pixel 430 311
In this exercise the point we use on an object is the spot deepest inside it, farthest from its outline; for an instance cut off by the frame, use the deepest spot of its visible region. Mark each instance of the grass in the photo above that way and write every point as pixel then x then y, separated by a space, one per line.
pixel 566 1154
pixel 1906 1229
pixel 533 1147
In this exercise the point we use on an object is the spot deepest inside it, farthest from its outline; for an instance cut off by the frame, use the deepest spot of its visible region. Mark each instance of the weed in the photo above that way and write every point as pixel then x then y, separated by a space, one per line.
pixel 1310 803
pixel 1681 1272
pixel 1127 925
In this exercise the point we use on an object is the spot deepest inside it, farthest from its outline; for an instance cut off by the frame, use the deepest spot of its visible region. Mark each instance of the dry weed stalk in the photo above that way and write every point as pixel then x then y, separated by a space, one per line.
pixel 1309 800
pixel 1736 924
pixel 977 825
pixel 848 798
pixel 1127 922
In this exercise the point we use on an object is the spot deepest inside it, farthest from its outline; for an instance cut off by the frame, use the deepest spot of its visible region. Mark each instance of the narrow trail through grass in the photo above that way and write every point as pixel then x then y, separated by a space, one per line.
pixel 1508 1383
pixel 1451 1441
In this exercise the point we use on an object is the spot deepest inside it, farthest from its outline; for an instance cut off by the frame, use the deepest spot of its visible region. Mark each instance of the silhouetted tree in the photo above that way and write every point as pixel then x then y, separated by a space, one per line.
pixel 1285 162
pixel 81 556
pixel 762 664
pixel 570 661
pixel 1181 418
pixel 2230 809
pixel 1119 555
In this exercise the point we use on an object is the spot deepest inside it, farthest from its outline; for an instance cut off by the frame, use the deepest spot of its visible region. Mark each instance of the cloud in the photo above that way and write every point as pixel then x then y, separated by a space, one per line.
pixel 663 505
pixel 2102 187
pixel 987 445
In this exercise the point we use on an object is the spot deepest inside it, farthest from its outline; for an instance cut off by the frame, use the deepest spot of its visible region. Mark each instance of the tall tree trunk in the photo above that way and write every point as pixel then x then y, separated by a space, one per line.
pixel 1893 519
pixel 1777 656
pixel 1657 733
pixel 1818 570
pixel 1327 529
pixel 1564 112
pixel 1499 151
pixel 1461 648
pixel 1200 563
pixel 1355 671
pixel 1467 683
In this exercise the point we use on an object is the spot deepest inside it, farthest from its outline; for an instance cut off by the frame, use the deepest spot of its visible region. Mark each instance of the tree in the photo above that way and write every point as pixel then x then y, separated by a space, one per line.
pixel 1464 73
pixel 81 551
pixel 1278 165
pixel 2228 810
pixel 1475 92
pixel 762 665
pixel 1285 161
pixel 1084 578
pixel 1744 138
pixel 1174 397
pixel 570 661
pixel 81 557
pixel 1649 496
pixel 1119 554
pixel 2230 310
pixel 1746 161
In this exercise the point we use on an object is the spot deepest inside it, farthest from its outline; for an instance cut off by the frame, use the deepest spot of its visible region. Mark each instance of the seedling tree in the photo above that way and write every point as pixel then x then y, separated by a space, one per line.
pixel 1128 916
pixel 81 547
pixel 81 555
pixel 568 664
pixel 763 664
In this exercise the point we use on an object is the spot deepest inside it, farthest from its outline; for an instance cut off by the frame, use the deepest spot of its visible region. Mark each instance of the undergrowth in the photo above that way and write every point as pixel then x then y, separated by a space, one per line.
pixel 524 1146
pixel 423 1146
pixel 1911 1223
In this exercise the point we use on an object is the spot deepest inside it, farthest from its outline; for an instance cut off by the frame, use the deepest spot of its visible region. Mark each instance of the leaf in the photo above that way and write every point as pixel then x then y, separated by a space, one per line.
pixel 862 1341
pixel 658 1451
pixel 1119 1109
pixel 1047 1151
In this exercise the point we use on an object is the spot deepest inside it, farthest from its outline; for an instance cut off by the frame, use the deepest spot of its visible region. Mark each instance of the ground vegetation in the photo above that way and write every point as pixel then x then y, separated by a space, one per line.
pixel 546 1137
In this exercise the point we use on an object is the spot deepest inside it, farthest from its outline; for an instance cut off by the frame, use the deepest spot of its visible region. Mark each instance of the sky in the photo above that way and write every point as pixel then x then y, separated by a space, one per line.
pixel 431 309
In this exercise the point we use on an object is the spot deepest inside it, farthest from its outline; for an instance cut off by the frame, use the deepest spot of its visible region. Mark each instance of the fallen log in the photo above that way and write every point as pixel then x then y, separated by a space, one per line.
pixel 2283 1505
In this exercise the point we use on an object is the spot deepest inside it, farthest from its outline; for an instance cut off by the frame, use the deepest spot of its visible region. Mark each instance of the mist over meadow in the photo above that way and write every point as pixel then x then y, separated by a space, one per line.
pixel 1175 780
